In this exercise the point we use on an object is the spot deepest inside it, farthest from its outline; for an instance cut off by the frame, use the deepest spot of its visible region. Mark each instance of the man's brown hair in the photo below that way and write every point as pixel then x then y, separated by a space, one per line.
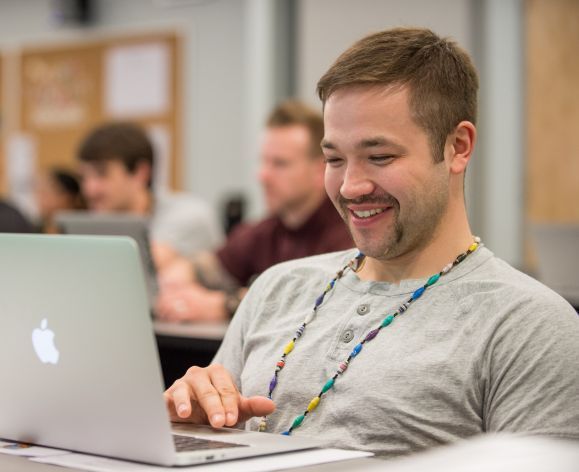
pixel 441 78
pixel 292 113
pixel 127 143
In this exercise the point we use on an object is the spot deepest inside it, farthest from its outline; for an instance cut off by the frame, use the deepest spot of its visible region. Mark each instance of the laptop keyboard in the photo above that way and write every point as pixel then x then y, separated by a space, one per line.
pixel 190 443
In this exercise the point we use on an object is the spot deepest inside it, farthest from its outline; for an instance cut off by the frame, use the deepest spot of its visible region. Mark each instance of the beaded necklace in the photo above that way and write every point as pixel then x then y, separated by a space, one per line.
pixel 355 265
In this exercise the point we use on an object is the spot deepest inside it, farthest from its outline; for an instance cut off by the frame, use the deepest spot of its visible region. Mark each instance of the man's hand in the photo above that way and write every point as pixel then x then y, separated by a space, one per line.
pixel 191 303
pixel 209 396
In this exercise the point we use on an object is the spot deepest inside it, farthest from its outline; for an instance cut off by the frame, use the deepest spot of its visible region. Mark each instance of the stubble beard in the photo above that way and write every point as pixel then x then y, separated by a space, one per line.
pixel 406 233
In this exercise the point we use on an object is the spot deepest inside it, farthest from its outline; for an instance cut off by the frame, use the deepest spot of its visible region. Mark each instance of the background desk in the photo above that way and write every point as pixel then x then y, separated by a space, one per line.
pixel 183 345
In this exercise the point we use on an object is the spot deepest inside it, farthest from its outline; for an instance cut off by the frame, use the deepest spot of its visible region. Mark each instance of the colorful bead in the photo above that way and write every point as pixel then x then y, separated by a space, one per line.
pixel 298 421
pixel 418 293
pixel 310 317
pixel 262 425
pixel 371 335
pixel 446 268
pixel 432 280
pixel 281 364
pixel 356 350
pixel 386 321
pixel 403 308
pixel 313 404
pixel 320 299
pixel 289 347
pixel 300 331
pixel 273 383
pixel 286 433
pixel 472 247
pixel 328 385
pixel 343 367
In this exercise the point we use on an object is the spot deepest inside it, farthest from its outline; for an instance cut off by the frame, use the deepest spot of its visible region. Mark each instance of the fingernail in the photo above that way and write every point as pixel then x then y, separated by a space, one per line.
pixel 230 418
pixel 182 408
pixel 217 419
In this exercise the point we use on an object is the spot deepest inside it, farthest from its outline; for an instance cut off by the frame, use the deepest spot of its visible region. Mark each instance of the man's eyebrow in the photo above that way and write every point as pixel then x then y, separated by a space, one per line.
pixel 376 141
pixel 325 144
pixel 365 143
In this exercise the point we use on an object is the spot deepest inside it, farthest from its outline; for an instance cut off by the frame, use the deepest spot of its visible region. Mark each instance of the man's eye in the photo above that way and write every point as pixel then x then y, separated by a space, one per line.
pixel 333 160
pixel 381 159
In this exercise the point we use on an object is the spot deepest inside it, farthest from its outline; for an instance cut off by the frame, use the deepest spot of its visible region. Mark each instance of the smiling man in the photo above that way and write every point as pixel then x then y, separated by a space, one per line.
pixel 420 337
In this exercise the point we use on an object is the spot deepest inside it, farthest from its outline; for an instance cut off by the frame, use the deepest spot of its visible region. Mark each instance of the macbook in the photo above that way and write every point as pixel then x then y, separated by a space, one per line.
pixel 115 224
pixel 80 369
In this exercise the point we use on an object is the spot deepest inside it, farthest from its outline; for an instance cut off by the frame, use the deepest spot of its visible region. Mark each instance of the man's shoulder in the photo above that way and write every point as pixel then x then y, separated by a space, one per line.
pixel 495 282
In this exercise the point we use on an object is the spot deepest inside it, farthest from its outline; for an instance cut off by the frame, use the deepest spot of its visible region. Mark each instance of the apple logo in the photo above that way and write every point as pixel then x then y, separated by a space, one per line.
pixel 43 342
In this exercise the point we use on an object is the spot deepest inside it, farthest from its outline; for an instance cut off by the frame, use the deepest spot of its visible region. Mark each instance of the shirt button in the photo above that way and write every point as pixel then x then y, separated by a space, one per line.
pixel 348 336
pixel 363 309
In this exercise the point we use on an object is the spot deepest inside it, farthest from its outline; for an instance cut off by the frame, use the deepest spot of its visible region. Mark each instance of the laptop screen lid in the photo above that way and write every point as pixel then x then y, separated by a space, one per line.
pixel 115 224
pixel 76 341
pixel 80 367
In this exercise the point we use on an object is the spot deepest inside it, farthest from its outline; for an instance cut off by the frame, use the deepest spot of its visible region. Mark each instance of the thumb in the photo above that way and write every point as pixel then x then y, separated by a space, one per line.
pixel 254 406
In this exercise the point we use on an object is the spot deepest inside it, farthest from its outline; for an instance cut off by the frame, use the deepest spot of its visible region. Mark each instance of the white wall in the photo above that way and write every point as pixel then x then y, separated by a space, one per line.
pixel 327 27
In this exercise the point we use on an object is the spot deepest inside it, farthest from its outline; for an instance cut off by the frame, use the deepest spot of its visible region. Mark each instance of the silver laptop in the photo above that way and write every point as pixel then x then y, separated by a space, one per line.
pixel 79 365
pixel 115 224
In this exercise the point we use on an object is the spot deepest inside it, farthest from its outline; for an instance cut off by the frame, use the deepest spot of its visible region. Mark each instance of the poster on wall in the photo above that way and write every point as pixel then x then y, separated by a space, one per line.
pixel 137 80
pixel 57 91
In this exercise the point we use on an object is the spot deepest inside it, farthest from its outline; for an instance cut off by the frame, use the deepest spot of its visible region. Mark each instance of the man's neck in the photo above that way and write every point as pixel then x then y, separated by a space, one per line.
pixel 295 217
pixel 425 260
pixel 142 203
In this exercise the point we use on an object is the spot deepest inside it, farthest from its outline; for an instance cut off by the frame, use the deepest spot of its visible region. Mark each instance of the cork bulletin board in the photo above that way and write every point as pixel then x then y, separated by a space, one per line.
pixel 552 111
pixel 67 89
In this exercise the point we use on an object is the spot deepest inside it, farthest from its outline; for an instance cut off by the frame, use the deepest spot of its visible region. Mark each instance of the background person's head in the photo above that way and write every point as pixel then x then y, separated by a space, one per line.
pixel 291 171
pixel 57 190
pixel 116 164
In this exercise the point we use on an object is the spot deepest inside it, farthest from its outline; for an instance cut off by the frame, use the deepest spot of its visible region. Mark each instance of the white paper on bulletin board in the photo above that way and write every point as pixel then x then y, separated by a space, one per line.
pixel 21 164
pixel 137 79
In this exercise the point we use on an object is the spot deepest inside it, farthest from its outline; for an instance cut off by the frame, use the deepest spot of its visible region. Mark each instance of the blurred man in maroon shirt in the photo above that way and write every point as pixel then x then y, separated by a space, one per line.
pixel 303 222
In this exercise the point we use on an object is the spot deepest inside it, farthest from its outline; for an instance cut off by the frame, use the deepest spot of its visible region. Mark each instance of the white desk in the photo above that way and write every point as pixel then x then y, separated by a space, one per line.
pixel 21 464
pixel 493 452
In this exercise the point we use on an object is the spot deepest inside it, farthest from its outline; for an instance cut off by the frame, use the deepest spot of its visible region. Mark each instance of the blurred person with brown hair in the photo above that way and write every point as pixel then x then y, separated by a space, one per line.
pixel 302 222
pixel 116 162
pixel 56 190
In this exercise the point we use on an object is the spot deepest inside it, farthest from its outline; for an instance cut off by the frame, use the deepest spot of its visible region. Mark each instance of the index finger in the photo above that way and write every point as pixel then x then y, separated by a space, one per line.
pixel 206 395
pixel 180 395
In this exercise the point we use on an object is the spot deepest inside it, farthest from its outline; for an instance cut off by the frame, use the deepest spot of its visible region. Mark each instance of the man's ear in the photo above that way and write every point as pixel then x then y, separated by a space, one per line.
pixel 144 172
pixel 460 146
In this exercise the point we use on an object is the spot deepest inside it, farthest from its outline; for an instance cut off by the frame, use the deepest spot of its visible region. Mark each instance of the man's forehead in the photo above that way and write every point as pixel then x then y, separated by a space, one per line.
pixel 101 166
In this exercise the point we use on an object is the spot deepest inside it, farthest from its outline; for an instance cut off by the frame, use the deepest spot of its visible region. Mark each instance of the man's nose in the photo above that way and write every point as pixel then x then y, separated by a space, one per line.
pixel 356 183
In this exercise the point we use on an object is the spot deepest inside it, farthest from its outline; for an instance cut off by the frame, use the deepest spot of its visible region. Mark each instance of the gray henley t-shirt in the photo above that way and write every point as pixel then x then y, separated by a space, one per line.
pixel 485 349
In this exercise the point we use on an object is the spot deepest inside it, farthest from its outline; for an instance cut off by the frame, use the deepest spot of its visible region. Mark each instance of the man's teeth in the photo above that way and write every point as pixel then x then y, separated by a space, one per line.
pixel 368 213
